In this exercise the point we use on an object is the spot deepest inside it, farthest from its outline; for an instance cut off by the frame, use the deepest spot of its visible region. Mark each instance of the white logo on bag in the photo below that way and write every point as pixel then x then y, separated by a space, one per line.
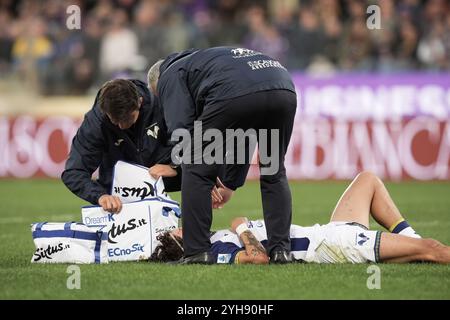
pixel 47 253
pixel 99 220
pixel 137 247
pixel 117 230
pixel 142 192
pixel 162 230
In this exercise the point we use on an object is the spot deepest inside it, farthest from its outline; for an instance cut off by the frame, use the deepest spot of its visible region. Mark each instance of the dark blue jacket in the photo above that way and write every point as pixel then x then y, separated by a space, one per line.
pixel 193 79
pixel 100 144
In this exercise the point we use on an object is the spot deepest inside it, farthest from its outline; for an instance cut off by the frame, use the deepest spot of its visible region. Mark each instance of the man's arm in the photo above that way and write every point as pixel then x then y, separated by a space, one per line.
pixel 254 252
pixel 84 158
pixel 235 175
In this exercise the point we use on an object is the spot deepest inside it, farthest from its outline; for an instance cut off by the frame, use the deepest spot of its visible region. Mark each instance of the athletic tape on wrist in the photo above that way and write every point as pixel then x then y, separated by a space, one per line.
pixel 241 228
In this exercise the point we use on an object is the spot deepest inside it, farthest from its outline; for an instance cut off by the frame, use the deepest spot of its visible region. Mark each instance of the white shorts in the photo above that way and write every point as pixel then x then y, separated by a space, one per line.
pixel 344 242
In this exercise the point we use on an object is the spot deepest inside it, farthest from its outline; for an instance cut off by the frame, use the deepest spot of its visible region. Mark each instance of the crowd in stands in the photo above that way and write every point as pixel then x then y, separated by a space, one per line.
pixel 122 38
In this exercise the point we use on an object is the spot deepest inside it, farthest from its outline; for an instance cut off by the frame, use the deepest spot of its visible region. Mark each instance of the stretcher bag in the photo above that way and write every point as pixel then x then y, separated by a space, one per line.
pixel 68 243
pixel 132 182
pixel 132 233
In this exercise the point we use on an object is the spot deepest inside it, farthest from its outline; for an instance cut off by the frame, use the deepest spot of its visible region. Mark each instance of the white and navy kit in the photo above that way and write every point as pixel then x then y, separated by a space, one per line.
pixel 335 242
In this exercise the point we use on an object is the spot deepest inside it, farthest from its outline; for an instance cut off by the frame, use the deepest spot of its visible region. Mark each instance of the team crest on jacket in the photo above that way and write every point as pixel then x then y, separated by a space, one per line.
pixel 118 142
pixel 244 53
pixel 153 130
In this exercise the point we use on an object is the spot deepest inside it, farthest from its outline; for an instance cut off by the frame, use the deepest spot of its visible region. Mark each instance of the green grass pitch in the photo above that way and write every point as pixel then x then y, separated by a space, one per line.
pixel 425 205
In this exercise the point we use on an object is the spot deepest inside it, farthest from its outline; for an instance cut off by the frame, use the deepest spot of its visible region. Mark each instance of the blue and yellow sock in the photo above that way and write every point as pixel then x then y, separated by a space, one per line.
pixel 402 227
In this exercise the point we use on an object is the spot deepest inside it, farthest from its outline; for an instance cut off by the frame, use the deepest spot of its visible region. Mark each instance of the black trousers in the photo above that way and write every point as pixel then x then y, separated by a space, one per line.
pixel 274 109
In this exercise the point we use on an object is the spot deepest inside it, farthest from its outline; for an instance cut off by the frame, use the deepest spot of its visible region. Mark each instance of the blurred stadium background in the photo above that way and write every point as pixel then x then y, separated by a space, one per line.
pixel 374 100
pixel 368 99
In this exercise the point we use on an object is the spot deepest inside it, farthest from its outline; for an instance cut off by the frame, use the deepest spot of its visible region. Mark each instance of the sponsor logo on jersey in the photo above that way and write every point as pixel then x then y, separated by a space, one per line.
pixel 223 258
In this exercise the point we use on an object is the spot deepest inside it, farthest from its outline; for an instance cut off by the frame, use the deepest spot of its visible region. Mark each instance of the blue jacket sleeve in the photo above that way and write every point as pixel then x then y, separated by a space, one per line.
pixel 234 175
pixel 84 158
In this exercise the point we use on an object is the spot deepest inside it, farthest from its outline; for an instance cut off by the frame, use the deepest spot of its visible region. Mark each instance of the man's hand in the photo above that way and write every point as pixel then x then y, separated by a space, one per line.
pixel 215 195
pixel 220 195
pixel 162 170
pixel 110 203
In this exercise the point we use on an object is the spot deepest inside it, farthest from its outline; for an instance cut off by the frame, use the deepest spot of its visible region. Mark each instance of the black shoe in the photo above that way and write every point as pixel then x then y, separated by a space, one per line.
pixel 200 258
pixel 281 257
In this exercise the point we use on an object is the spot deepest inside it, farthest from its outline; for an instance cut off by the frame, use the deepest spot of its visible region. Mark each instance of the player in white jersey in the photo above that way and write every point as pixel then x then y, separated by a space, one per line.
pixel 346 238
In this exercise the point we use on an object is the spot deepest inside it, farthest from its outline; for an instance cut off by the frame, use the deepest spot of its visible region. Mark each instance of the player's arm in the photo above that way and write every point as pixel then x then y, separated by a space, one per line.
pixel 254 252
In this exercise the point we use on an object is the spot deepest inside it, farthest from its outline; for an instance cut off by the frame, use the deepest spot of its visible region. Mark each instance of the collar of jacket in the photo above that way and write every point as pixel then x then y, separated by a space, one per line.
pixel 174 58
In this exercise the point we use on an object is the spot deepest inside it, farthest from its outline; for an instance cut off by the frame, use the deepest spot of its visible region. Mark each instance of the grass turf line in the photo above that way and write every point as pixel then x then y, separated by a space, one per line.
pixel 425 205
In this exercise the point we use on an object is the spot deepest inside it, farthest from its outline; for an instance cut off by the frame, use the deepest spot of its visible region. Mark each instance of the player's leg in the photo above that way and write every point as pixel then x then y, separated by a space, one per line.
pixel 386 213
pixel 395 248
pixel 355 203
pixel 367 196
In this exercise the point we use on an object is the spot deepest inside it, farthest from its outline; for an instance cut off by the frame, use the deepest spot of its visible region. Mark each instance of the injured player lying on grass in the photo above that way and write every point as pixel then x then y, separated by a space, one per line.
pixel 345 239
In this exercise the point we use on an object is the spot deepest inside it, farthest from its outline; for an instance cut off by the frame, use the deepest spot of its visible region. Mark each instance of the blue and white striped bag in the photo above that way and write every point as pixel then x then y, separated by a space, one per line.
pixel 133 233
pixel 68 243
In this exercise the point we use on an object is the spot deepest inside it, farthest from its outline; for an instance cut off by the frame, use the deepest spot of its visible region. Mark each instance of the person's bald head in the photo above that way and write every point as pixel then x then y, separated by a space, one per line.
pixel 153 76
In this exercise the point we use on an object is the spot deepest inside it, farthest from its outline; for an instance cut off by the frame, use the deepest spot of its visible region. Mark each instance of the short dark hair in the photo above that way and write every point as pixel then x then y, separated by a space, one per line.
pixel 119 98
pixel 168 249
